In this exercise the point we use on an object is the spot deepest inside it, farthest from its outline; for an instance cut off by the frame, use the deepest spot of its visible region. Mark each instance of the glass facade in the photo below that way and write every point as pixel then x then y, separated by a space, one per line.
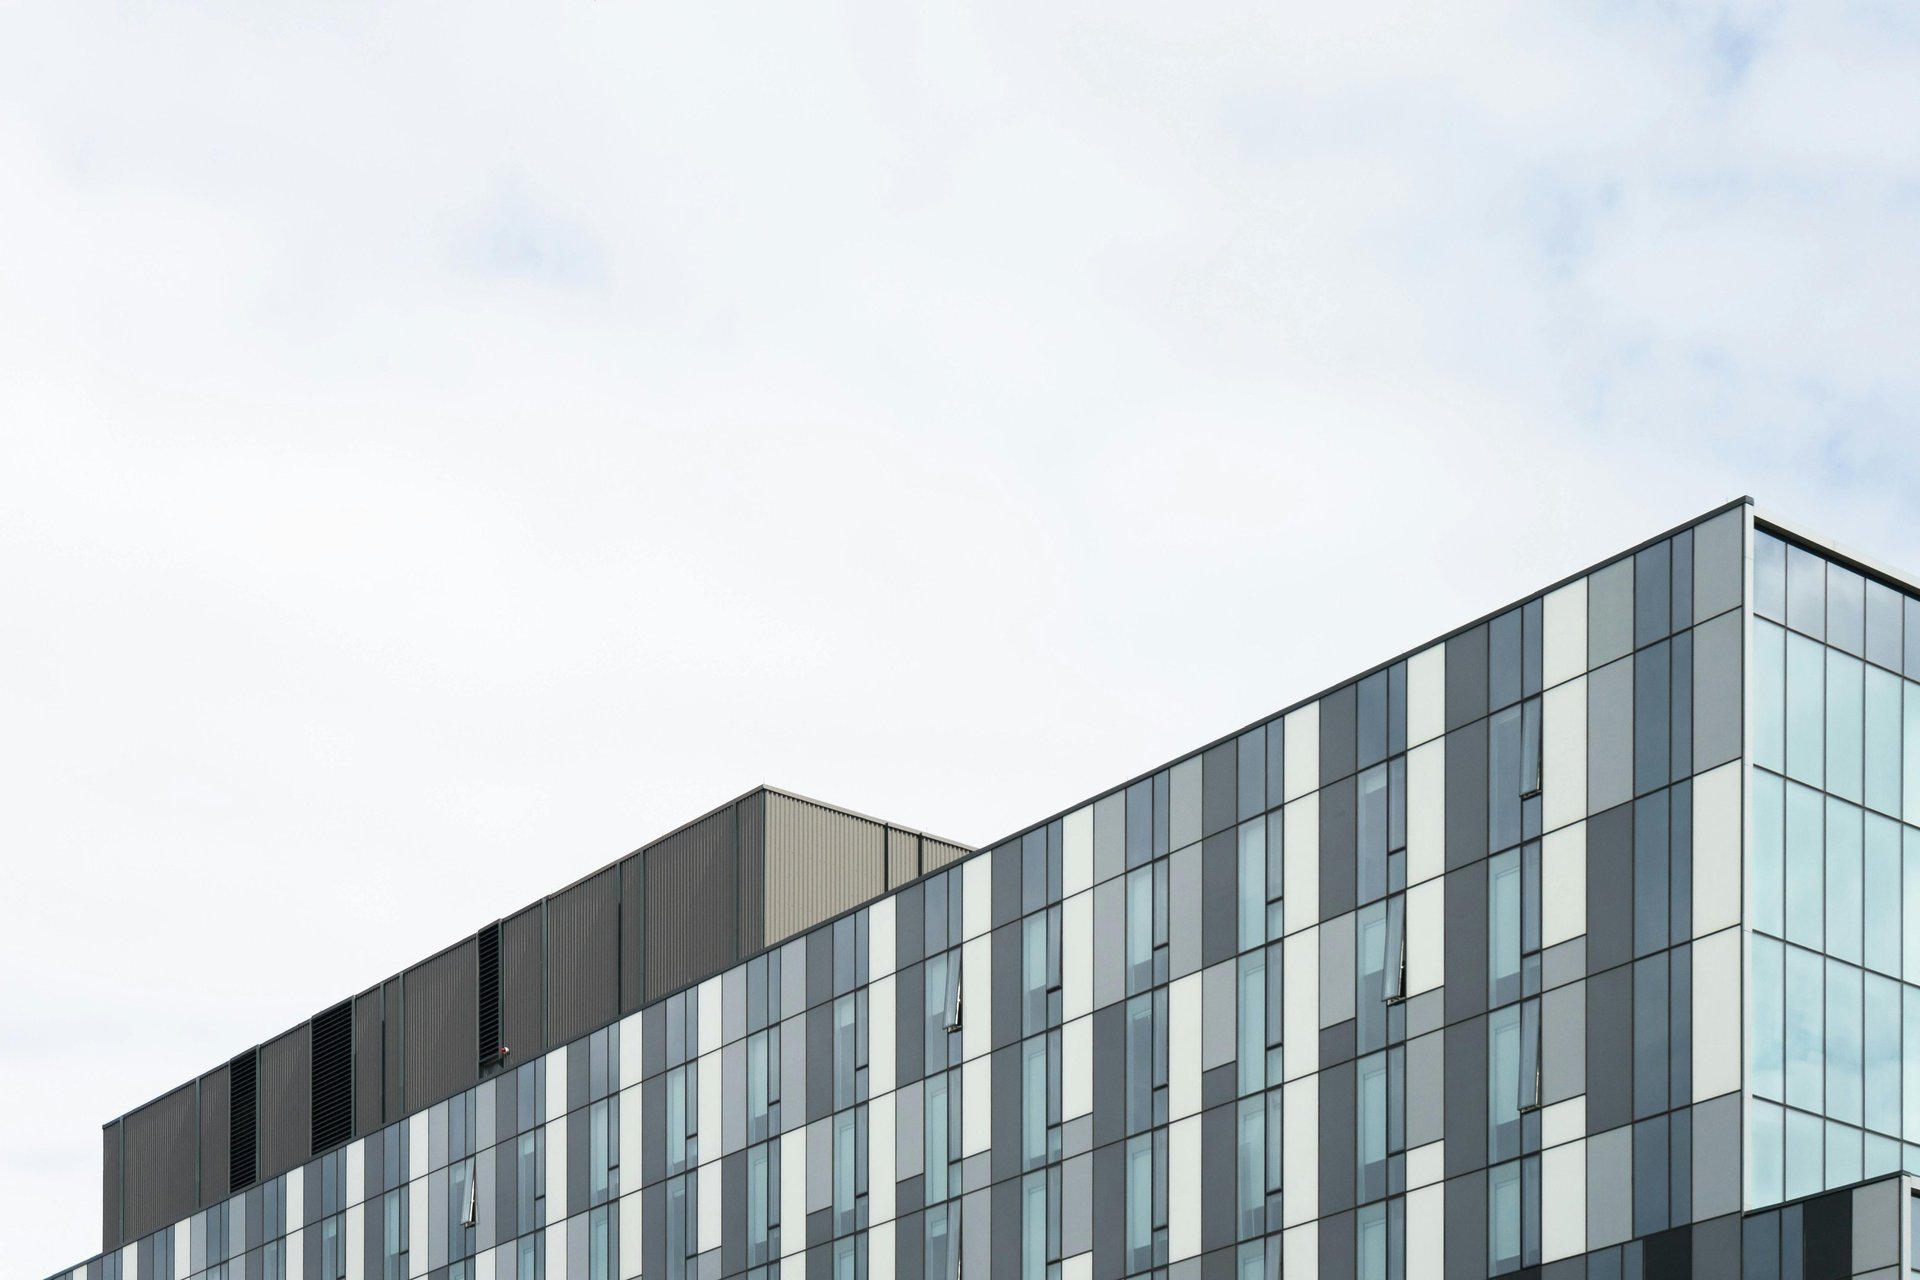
pixel 1467 967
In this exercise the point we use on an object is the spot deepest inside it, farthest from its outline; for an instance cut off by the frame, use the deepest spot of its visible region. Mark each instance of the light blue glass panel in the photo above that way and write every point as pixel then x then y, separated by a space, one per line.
pixel 1806 887
pixel 1845 726
pixel 1253 1021
pixel 1253 883
pixel 1033 1102
pixel 1139 930
pixel 1879 1156
pixel 1844 911
pixel 1882 869
pixel 1371 1126
pixel 1883 741
pixel 1806 710
pixel 1843 1155
pixel 1769 854
pixel 1806 1034
pixel 1140 1201
pixel 1843 1042
pixel 1910 1063
pixel 1769 696
pixel 1370 1228
pixel 1033 1228
pixel 1503 1218
pixel 1503 1083
pixel 1252 1162
pixel 1910 751
pixel 1765 1180
pixel 1769 1018
pixel 1503 927
pixel 1806 1146
pixel 1881 1059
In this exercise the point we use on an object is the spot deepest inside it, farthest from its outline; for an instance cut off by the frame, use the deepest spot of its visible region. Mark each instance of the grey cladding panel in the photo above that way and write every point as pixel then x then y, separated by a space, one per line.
pixel 159 1173
pixel 286 1077
pixel 690 904
pixel 633 919
pixel 216 1121
pixel 367 1045
pixel 442 1000
pixel 395 1051
pixel 819 863
pixel 523 985
pixel 583 957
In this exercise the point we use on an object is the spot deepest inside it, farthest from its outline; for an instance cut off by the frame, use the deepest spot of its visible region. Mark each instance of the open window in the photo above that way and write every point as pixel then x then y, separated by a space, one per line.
pixel 1530 748
pixel 1395 987
pixel 954 994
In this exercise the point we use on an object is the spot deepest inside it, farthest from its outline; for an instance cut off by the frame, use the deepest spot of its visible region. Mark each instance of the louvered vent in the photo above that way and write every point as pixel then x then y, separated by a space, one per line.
pixel 332 1077
pixel 490 1055
pixel 243 1151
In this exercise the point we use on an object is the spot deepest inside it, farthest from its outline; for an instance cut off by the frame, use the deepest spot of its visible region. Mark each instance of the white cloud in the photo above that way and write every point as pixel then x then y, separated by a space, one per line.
pixel 445 446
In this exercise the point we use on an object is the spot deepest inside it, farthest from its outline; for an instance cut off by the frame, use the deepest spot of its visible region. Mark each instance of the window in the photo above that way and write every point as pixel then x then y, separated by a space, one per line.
pixel 603 1158
pixel 1140 1061
pixel 941 1123
pixel 1530 748
pixel 1033 1227
pixel 683 1112
pixel 394 1257
pixel 532 1181
pixel 763 1084
pixel 1394 988
pixel 763 1203
pixel 849 1171
pixel 1503 772
pixel 1139 930
pixel 603 1244
pixel 850 1049
pixel 943 1242
pixel 461 1209
pixel 333 1248
pixel 1503 928
pixel 1529 1081
pixel 1033 1102
pixel 1139 1203
pixel 1253 883
pixel 1252 1168
pixel 1371 1143
pixel 1253 1022
pixel 1371 834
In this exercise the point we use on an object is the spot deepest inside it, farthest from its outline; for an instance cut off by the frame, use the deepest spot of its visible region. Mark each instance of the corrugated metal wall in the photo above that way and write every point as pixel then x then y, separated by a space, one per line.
pixel 395 1048
pixel 583 957
pixel 286 1090
pixel 633 932
pixel 216 1130
pixel 442 1000
pixel 903 857
pixel 110 1164
pixel 690 904
pixel 367 1102
pixel 523 1011
pixel 158 1182
pixel 819 862
pixel 935 854
pixel 750 917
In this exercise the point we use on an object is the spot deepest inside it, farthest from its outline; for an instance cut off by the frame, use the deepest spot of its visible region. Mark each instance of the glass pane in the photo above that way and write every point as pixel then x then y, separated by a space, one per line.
pixel 1764 1135
pixel 1806 710
pixel 1253 883
pixel 1769 696
pixel 1844 912
pixel 1882 787
pixel 1372 852
pixel 1251 1171
pixel 1503 928
pixel 1769 854
pixel 1882 894
pixel 1806 1146
pixel 1806 877
pixel 1503 774
pixel 1503 1084
pixel 1371 1128
pixel 1253 1021
pixel 1806 592
pixel 1843 1042
pixel 1845 713
pixel 1805 1038
pixel 1503 1218
pixel 1769 576
pixel 1881 1062
pixel 1769 1018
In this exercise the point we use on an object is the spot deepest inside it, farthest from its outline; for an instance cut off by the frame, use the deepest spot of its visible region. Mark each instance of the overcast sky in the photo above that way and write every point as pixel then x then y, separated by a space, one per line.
pixel 445 446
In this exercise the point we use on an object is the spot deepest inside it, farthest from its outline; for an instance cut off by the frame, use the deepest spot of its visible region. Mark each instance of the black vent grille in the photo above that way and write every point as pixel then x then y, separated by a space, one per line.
pixel 332 1077
pixel 243 1151
pixel 489 1046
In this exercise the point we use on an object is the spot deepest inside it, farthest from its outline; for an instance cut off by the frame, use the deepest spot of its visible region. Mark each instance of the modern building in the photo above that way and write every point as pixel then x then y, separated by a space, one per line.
pixel 1582 942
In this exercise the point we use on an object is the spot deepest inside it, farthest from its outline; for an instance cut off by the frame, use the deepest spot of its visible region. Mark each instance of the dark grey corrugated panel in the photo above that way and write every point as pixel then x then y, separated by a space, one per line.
pixel 633 928
pixel 286 1084
pixel 216 1128
pixel 935 854
pixel 903 856
pixel 690 904
pixel 819 862
pixel 367 1102
pixel 394 1100
pixel 750 820
pixel 583 956
pixel 442 997
pixel 158 1173
pixel 110 1169
pixel 523 986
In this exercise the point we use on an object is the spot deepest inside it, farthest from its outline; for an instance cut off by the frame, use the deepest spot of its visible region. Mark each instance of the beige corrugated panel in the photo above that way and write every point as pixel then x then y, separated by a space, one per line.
pixel 935 854
pixel 903 856
pixel 820 862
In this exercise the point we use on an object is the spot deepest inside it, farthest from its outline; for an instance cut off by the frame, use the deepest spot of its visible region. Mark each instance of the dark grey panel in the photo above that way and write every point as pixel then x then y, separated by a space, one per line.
pixel 1337 840
pixel 1466 1235
pixel 1466 941
pixel 1610 888
pixel 1609 1049
pixel 690 917
pixel 633 923
pixel 1219 901
pixel 1219 788
pixel 158 1176
pixel 1467 677
pixel 442 1025
pixel 1004 1133
pixel 1337 1133
pixel 110 1183
pixel 523 985
pixel 910 1000
pixel 1003 872
pixel 1338 733
pixel 1008 951
pixel 367 1061
pixel 286 1082
pixel 819 863
pixel 395 1102
pixel 1217 1152
pixel 583 957
pixel 1109 1210
pixel 1109 1074
pixel 215 1130
pixel 1466 1091
pixel 1467 794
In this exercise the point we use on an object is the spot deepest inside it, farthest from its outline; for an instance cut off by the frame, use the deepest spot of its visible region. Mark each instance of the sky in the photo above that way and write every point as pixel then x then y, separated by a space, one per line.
pixel 443 447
